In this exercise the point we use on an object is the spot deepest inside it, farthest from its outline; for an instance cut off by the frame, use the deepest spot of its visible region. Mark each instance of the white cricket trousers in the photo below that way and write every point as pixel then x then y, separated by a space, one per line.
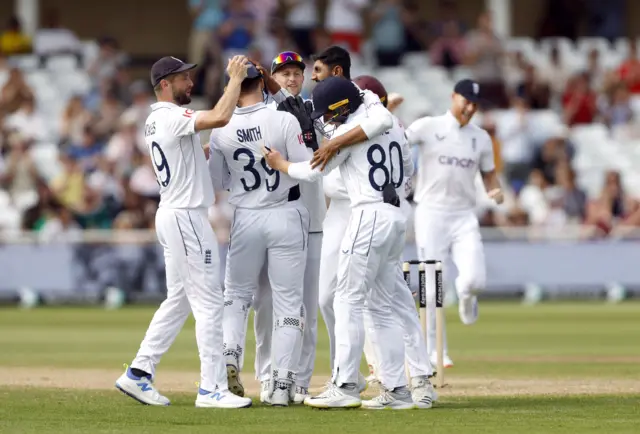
pixel 278 237
pixel 404 307
pixel 263 319
pixel 193 285
pixel 438 233
pixel 369 256
pixel 334 228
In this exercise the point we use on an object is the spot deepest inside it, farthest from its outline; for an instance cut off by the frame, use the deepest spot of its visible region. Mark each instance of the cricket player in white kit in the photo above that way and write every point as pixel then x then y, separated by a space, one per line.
pixel 451 152
pixel 369 256
pixel 190 247
pixel 270 224
pixel 287 69
pixel 333 61
pixel 416 353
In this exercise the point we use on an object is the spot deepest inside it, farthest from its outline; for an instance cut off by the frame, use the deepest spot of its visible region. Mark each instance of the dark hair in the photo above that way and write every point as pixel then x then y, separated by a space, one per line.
pixel 250 84
pixel 335 56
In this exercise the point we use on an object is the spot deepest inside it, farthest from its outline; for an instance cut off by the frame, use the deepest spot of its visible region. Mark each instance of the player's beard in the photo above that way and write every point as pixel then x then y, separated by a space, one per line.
pixel 181 97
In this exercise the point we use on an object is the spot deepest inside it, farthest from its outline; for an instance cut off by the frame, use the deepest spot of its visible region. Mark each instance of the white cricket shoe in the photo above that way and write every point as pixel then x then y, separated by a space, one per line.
pixel 233 380
pixel 422 392
pixel 265 391
pixel 221 399
pixel 301 394
pixel 280 395
pixel 446 360
pixel 399 399
pixel 141 389
pixel 468 309
pixel 335 397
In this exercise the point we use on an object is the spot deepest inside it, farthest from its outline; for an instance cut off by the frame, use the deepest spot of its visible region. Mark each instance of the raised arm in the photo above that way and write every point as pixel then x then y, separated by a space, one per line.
pixel 221 114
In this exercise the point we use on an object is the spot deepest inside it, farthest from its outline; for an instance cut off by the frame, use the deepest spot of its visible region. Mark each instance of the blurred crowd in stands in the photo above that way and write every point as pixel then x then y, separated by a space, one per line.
pixel 103 176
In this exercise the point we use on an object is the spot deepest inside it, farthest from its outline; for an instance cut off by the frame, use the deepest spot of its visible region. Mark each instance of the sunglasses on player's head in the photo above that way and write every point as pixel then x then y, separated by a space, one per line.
pixel 286 56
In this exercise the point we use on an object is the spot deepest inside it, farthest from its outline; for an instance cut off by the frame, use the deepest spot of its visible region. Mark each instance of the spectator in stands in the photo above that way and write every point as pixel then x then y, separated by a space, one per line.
pixel 140 107
pixel 388 32
pixel 207 16
pixel 416 27
pixel 579 101
pixel 301 21
pixel 517 149
pixel 35 217
pixel 20 174
pixel 484 56
pixel 617 109
pixel 595 71
pixel 27 121
pixel 514 70
pixel 68 185
pixel 14 92
pixel 75 118
pixel 52 38
pixel 277 40
pixel 13 40
pixel 553 152
pixel 574 199
pixel 86 152
pixel 629 70
pixel 321 40
pixel 124 144
pixel 109 59
pixel 237 29
pixel 107 116
pixel 95 212
pixel 344 21
pixel 613 205
pixel 554 73
pixel 535 92
pixel 58 224
pixel 532 197
pixel 448 49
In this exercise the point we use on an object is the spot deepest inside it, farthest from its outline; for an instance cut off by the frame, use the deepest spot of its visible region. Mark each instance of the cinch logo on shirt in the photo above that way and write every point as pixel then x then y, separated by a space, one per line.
pixel 465 163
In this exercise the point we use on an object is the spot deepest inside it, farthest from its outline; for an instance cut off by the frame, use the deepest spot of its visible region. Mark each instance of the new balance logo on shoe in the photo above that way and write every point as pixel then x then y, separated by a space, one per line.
pixel 144 386
pixel 217 396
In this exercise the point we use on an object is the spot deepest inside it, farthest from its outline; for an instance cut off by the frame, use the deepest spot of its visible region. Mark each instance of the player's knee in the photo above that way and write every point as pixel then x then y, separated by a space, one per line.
pixel 473 281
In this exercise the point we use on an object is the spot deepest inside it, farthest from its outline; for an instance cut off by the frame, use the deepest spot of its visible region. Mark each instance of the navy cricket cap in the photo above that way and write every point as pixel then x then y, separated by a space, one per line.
pixel 166 66
pixel 470 90
pixel 252 72
pixel 332 93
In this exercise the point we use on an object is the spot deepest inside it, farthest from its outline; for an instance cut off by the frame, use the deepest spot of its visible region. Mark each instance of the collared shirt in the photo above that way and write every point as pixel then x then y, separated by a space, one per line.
pixel 177 157
pixel 450 157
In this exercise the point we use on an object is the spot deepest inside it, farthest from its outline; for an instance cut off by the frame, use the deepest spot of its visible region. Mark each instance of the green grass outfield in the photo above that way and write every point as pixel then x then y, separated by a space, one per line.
pixel 548 368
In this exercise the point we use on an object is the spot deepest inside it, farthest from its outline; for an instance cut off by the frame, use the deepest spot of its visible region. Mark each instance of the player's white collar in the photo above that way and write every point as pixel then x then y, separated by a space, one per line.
pixel 250 108
pixel 159 104
pixel 454 122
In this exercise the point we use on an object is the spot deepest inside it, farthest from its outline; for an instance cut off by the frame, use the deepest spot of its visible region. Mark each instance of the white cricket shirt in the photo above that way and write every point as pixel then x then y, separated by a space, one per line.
pixel 177 157
pixel 236 162
pixel 365 168
pixel 450 157
pixel 334 186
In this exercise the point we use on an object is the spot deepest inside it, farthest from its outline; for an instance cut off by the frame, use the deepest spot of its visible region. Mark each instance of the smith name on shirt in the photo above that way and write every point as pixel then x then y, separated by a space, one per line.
pixel 249 134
